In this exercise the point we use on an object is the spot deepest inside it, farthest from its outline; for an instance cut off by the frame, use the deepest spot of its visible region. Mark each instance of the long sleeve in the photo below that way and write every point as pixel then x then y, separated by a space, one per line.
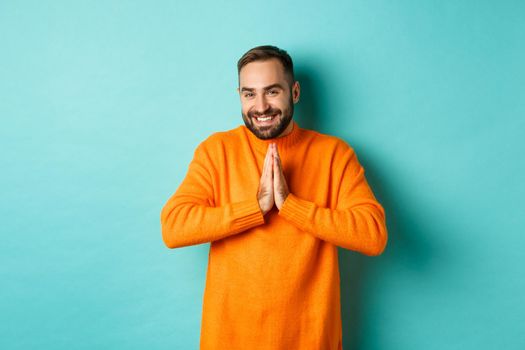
pixel 285 263
pixel 358 221
pixel 190 217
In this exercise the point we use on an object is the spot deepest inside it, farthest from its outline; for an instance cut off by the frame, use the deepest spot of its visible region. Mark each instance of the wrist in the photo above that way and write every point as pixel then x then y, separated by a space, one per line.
pixel 261 208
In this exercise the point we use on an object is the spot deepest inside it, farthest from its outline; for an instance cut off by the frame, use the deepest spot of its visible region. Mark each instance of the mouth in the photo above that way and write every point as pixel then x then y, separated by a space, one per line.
pixel 265 119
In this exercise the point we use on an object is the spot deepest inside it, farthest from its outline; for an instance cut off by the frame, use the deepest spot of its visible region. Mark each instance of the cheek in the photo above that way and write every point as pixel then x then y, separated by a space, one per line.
pixel 282 105
pixel 245 108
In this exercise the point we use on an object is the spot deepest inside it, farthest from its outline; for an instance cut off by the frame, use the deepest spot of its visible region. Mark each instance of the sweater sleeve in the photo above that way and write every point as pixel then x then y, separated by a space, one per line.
pixel 190 217
pixel 358 221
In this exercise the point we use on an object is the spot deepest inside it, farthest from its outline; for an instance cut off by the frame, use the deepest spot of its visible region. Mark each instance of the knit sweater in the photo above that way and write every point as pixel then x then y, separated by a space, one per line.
pixel 272 281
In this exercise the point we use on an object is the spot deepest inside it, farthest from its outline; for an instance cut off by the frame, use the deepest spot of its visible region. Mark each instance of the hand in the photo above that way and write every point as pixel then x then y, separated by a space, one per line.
pixel 280 188
pixel 265 191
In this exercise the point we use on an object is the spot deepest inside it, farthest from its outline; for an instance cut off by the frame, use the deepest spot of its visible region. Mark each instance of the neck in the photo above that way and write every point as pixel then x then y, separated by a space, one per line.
pixel 287 140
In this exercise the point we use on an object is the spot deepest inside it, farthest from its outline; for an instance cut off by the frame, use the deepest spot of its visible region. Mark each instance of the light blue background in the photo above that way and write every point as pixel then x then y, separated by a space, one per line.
pixel 103 103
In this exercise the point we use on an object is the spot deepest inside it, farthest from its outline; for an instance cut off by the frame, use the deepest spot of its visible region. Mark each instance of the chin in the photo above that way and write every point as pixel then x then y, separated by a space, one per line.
pixel 264 133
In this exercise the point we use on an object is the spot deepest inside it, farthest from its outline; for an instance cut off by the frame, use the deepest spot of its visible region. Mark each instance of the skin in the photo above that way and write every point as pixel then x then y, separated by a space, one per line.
pixel 273 188
pixel 265 90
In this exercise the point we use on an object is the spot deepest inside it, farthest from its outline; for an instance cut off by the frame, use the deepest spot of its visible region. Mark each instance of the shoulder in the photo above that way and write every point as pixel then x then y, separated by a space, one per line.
pixel 218 139
pixel 221 137
pixel 335 150
pixel 328 143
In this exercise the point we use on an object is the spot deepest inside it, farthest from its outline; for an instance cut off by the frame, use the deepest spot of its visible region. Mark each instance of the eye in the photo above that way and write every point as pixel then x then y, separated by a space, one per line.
pixel 273 92
pixel 248 94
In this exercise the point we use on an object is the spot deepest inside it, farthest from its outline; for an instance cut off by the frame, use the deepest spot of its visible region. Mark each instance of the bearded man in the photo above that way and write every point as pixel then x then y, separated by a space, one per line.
pixel 275 201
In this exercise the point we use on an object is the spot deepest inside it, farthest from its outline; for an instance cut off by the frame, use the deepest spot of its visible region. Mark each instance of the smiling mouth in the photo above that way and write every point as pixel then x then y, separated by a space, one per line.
pixel 265 118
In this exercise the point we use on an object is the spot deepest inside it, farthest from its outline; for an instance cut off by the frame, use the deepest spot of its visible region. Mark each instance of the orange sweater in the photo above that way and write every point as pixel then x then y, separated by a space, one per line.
pixel 273 282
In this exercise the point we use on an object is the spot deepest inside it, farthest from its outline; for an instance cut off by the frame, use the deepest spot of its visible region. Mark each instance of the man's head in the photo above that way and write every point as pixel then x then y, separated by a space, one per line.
pixel 268 91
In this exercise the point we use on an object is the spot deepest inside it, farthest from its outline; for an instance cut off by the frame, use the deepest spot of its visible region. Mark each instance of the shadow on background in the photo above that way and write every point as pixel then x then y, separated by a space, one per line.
pixel 404 228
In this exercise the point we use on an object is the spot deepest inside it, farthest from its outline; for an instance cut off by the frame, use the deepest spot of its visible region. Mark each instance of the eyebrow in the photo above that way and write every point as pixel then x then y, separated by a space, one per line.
pixel 266 88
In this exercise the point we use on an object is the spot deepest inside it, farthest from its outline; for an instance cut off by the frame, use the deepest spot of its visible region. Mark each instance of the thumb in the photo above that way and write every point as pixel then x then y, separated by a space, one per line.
pixel 276 172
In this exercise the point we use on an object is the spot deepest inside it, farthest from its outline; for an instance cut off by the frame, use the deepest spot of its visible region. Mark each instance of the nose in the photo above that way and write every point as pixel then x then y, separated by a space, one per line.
pixel 261 105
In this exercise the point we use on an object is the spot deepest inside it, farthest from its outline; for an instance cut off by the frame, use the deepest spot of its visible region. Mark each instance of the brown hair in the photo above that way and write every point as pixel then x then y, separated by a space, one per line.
pixel 266 52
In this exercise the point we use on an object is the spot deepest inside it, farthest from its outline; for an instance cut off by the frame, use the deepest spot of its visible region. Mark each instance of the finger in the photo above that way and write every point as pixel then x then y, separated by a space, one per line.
pixel 270 166
pixel 277 158
pixel 278 172
pixel 263 172
pixel 276 168
pixel 278 178
pixel 268 174
pixel 265 163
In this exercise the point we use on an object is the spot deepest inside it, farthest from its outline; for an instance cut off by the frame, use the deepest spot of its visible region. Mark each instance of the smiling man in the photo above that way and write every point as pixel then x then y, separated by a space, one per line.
pixel 275 201
pixel 267 109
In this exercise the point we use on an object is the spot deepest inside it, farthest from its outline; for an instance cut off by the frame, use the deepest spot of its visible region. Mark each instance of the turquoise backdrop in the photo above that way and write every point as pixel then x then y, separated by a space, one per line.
pixel 102 104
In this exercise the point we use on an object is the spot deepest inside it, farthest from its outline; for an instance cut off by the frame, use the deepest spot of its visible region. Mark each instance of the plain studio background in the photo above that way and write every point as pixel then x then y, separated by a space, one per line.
pixel 103 103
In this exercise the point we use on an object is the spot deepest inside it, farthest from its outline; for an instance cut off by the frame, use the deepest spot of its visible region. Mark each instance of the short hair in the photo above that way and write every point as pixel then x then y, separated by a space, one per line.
pixel 266 52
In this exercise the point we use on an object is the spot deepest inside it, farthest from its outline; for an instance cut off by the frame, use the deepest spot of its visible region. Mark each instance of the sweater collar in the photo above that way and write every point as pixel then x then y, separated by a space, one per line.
pixel 283 142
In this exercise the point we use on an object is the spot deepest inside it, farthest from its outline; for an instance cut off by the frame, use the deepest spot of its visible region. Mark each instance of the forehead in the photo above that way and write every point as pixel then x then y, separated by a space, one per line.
pixel 262 73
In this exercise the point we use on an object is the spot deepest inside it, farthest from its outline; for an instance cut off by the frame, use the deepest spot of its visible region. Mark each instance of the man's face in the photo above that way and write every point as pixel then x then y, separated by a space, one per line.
pixel 267 100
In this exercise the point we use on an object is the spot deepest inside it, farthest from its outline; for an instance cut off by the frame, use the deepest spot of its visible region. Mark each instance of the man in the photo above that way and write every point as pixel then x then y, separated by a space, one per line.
pixel 275 201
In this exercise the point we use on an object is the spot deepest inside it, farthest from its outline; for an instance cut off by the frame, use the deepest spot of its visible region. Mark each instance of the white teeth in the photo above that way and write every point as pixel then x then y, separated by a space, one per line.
pixel 263 119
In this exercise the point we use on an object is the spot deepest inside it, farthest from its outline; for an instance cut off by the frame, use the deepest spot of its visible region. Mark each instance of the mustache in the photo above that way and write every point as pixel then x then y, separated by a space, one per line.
pixel 269 111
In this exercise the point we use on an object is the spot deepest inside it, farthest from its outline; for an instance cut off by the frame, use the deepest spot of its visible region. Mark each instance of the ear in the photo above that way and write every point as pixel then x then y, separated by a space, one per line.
pixel 296 92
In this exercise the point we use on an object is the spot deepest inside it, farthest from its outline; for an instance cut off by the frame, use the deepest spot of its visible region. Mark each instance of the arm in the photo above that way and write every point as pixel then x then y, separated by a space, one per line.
pixel 190 217
pixel 358 222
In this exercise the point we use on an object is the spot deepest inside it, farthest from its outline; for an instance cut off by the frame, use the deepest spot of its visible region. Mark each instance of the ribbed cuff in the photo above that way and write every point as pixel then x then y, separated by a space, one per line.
pixel 297 211
pixel 246 214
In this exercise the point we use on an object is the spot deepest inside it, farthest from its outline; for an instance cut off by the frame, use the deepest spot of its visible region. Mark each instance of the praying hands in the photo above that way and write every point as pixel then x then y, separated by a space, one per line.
pixel 272 186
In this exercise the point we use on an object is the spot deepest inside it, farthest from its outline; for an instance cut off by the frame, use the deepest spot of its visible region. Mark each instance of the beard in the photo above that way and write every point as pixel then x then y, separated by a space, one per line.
pixel 271 131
